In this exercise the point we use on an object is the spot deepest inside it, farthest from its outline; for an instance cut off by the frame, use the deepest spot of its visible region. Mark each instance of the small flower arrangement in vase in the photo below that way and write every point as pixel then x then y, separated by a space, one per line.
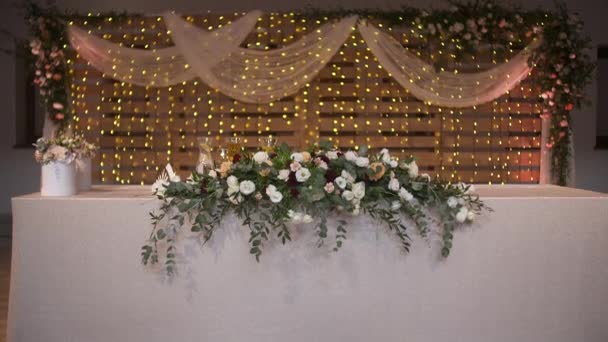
pixel 58 168
pixel 85 151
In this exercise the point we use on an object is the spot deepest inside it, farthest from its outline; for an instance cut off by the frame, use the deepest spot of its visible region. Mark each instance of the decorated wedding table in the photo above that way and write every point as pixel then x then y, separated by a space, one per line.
pixel 334 242
pixel 268 248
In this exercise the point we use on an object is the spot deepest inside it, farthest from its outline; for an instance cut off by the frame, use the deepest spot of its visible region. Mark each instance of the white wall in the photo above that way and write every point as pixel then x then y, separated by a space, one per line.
pixel 19 174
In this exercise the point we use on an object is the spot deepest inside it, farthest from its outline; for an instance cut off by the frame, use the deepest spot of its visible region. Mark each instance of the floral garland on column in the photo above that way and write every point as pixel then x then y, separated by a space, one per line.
pixel 49 64
pixel 562 65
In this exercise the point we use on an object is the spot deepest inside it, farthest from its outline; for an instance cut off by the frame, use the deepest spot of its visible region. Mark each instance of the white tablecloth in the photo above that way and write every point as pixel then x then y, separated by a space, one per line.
pixel 536 269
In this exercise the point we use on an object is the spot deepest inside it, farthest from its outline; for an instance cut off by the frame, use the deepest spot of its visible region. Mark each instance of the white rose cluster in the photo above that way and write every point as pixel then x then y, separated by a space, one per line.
pixel 464 214
pixel 411 167
pixel 274 194
pixel 354 195
pixel 237 189
pixel 297 217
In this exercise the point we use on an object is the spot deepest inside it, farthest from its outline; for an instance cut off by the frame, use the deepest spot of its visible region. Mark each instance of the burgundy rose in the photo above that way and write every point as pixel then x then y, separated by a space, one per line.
pixel 330 175
pixel 292 180
pixel 325 159
pixel 236 158
pixel 203 188
pixel 295 193
pixel 272 155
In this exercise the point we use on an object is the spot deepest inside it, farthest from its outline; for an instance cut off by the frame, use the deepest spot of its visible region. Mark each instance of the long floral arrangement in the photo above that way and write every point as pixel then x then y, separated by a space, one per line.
pixel 270 191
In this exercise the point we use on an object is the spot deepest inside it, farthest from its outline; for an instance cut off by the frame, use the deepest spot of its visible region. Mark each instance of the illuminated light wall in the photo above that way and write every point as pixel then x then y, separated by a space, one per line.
pixel 352 102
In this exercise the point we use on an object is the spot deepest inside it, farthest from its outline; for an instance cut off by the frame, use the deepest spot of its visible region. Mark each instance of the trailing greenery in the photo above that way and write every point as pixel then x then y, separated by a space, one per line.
pixel 562 64
pixel 269 192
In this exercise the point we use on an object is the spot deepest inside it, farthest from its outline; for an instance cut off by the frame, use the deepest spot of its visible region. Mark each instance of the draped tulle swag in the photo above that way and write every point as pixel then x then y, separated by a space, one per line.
pixel 257 76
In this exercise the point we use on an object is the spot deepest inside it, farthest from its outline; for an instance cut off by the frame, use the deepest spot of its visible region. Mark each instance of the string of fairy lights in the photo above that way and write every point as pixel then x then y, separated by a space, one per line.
pixel 353 101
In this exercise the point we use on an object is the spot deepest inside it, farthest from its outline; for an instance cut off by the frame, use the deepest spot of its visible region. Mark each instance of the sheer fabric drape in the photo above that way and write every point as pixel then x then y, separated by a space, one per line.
pixel 442 88
pixel 262 76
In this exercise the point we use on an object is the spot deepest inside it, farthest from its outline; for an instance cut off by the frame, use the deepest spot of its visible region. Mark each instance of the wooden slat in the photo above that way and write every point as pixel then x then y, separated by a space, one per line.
pixel 352 101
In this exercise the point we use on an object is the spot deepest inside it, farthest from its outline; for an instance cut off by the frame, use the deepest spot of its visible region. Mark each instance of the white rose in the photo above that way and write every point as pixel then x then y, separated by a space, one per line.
pixel 307 218
pixel 356 211
pixel 275 195
pixel 405 195
pixel 348 195
pixel 462 214
pixel 284 174
pixel 426 176
pixel 299 157
pixel 246 187
pixel 302 175
pixel 386 157
pixel 347 176
pixel 294 216
pixel 362 161
pixel 470 216
pixel 394 164
pixel 452 202
pixel 213 174
pixel 232 182
pixel 159 187
pixel 359 190
pixel 234 196
pixel 395 205
pixel 260 157
pixel 412 169
pixel 332 155
pixel 340 182
pixel 393 184
pixel 350 156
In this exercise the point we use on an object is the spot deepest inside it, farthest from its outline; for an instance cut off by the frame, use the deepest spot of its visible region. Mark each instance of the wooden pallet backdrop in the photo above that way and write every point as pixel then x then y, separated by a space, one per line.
pixel 353 101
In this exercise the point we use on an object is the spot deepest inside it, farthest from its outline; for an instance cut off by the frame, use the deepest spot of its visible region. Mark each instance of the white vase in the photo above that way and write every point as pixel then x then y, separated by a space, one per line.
pixel 58 179
pixel 83 174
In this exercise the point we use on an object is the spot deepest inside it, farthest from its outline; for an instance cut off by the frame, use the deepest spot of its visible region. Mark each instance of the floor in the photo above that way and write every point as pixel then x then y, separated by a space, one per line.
pixel 5 274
